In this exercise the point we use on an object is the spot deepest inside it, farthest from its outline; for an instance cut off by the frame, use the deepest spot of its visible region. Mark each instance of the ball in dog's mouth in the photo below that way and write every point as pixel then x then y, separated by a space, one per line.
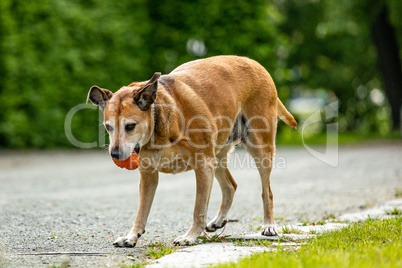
pixel 131 162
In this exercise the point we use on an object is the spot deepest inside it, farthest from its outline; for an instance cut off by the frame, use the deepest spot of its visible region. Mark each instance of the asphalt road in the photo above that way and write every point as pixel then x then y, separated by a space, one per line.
pixel 79 202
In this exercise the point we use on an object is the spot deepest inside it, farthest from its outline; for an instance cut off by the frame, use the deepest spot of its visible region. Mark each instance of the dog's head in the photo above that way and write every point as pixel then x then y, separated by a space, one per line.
pixel 127 115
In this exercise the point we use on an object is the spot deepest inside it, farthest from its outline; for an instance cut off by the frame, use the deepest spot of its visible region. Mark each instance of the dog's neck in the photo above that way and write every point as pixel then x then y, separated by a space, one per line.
pixel 160 99
pixel 166 89
pixel 163 111
pixel 164 85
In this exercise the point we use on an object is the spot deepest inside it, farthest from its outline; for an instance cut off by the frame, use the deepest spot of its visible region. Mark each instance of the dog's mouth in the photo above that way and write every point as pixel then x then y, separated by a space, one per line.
pixel 137 148
pixel 118 155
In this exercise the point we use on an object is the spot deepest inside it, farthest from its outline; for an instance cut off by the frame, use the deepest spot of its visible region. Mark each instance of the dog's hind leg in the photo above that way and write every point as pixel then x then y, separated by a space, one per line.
pixel 260 143
pixel 263 159
pixel 228 188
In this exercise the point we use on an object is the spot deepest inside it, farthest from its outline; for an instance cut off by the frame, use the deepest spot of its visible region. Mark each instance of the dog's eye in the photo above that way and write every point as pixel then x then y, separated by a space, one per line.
pixel 108 128
pixel 130 127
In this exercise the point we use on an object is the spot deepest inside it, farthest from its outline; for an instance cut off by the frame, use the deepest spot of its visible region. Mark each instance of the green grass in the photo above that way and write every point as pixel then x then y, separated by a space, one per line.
pixel 306 223
pixel 251 242
pixel 329 217
pixel 285 229
pixel 134 265
pixel 213 239
pixel 291 230
pixel 373 243
pixel 258 219
pixel 394 212
pixel 158 250
pixel 254 229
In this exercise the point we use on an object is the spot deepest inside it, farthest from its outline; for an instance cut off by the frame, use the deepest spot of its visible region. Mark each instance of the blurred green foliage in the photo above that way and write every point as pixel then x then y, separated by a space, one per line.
pixel 52 51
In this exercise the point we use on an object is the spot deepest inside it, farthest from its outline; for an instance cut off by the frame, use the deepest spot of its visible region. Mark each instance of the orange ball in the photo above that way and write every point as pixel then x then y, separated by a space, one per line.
pixel 130 163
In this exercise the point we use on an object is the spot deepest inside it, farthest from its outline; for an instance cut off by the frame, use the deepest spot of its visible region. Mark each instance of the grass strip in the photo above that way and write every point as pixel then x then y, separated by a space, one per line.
pixel 373 243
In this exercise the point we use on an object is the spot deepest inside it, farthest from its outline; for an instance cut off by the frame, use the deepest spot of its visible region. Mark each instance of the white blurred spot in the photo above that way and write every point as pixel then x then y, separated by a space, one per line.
pixel 196 47
pixel 377 97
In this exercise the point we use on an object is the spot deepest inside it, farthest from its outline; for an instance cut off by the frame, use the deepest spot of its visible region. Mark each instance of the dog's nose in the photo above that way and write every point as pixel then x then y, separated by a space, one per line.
pixel 116 154
pixel 137 148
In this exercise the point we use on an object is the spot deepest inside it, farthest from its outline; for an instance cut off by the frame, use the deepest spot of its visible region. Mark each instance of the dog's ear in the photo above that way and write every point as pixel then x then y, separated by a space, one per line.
pixel 99 96
pixel 147 95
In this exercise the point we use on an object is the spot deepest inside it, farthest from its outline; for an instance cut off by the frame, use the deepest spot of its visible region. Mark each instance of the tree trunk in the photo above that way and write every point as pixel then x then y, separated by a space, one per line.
pixel 389 62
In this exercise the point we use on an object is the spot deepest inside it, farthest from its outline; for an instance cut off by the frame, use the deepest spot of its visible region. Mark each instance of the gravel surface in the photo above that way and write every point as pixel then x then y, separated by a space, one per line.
pixel 78 202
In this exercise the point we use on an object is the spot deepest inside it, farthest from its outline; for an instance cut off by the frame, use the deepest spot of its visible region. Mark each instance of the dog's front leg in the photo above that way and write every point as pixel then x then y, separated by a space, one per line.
pixel 204 174
pixel 148 184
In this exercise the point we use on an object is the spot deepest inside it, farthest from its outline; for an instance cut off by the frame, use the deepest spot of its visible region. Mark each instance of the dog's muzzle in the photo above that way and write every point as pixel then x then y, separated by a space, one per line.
pixel 116 154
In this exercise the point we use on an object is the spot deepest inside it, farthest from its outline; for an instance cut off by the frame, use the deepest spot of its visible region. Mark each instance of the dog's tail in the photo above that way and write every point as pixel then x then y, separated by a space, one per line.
pixel 284 114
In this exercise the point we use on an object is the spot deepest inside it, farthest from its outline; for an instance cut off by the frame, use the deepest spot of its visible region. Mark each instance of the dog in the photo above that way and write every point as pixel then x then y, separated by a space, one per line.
pixel 191 119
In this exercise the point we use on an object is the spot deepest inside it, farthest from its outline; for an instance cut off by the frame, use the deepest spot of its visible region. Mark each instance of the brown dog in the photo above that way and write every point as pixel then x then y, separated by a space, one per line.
pixel 191 119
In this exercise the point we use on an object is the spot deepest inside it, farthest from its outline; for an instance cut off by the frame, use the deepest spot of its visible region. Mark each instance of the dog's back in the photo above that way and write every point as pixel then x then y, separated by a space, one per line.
pixel 229 83
pixel 223 76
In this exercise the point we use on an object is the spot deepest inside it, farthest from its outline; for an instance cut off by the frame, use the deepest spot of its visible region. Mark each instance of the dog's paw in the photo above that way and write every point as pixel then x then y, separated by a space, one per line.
pixel 269 230
pixel 185 240
pixel 127 241
pixel 215 225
